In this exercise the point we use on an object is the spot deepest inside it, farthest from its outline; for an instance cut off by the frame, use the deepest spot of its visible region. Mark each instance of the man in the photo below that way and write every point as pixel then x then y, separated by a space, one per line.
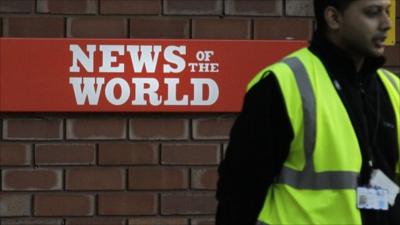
pixel 320 130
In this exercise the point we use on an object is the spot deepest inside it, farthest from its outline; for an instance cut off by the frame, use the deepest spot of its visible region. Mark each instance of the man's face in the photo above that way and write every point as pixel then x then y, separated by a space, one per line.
pixel 364 27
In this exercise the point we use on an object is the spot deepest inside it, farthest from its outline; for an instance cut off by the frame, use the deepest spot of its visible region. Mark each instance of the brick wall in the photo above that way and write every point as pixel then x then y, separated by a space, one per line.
pixel 128 168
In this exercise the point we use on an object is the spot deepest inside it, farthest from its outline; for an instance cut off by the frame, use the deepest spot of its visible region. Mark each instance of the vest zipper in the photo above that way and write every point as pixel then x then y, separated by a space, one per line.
pixel 367 128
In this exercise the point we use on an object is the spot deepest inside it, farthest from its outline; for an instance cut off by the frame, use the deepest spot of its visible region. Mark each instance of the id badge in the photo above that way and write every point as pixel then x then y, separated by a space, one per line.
pixel 372 198
pixel 380 180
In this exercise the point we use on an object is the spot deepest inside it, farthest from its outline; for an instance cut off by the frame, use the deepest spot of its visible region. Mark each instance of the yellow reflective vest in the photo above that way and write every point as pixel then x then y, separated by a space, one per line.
pixel 317 184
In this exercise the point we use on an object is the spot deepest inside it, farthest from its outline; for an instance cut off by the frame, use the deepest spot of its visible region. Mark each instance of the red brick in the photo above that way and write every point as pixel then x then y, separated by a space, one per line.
pixel 95 179
pixel 33 27
pixel 204 178
pixel 15 205
pixel 96 128
pixel 392 54
pixel 130 7
pixel 32 179
pixel 32 129
pixel 283 29
pixel 123 153
pixel 221 28
pixel 193 7
pixel 32 221
pixel 15 154
pixel 202 221
pixel 127 204
pixel 67 6
pixel 17 6
pixel 187 203
pixel 65 154
pixel 212 128
pixel 158 178
pixel 95 221
pixel 299 8
pixel 71 205
pixel 254 7
pixel 161 27
pixel 97 27
pixel 153 129
pixel 158 220
pixel 190 154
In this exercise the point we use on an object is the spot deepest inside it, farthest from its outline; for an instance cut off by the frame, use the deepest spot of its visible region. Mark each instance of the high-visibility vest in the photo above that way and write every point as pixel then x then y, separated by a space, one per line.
pixel 317 184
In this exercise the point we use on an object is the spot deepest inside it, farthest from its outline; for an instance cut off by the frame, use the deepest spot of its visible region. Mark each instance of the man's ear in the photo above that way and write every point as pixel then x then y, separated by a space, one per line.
pixel 332 17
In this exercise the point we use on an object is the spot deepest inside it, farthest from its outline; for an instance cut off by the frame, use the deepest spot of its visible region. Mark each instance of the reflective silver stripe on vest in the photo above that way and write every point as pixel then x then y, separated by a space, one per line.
pixel 308 178
pixel 393 81
pixel 323 180
pixel 309 111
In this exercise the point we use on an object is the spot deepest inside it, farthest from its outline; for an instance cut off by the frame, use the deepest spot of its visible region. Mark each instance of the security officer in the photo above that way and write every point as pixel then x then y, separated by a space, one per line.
pixel 318 138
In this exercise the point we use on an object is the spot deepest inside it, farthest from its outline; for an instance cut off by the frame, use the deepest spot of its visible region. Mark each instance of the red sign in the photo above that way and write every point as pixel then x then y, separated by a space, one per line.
pixel 97 75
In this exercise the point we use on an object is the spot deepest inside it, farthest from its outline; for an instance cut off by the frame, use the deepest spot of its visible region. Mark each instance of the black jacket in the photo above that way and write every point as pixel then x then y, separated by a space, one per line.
pixel 261 136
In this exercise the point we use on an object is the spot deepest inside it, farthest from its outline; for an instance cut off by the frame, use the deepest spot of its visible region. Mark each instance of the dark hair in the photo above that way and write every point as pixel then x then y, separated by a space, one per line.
pixel 320 6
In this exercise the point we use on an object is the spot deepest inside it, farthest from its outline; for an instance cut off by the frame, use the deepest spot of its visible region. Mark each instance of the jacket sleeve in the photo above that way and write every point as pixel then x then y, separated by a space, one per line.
pixel 259 144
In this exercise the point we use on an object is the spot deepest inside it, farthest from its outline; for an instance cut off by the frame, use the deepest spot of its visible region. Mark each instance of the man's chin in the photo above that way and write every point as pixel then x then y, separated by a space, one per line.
pixel 376 52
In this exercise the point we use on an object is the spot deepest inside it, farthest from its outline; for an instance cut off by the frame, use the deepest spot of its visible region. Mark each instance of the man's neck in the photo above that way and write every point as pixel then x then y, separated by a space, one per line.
pixel 357 59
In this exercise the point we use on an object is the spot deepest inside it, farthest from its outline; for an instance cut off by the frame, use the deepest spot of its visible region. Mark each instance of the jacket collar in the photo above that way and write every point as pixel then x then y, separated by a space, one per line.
pixel 339 63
